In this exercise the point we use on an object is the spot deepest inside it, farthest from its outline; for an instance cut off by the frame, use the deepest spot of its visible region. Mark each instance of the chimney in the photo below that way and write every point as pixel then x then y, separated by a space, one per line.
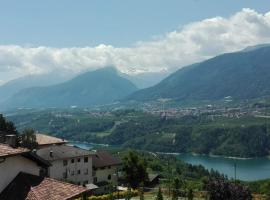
pixel 51 153
pixel 11 140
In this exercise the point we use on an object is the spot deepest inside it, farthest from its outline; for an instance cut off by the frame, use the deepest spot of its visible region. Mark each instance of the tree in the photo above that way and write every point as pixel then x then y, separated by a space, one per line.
pixel 176 188
pixel 128 196
pixel 190 194
pixel 7 127
pixel 224 189
pixel 135 169
pixel 141 191
pixel 28 139
pixel 159 194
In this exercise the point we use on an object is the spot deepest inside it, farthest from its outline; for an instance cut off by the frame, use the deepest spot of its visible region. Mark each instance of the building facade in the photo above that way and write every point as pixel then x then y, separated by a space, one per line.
pixel 68 163
pixel 105 171
pixel 16 160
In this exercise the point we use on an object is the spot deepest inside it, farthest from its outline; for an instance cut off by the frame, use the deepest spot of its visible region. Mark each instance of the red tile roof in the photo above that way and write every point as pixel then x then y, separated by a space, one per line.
pixel 6 150
pixel 31 187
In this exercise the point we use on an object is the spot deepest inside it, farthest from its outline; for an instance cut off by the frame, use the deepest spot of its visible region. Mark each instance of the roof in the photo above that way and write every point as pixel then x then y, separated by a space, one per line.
pixel 152 177
pixel 31 187
pixel 6 150
pixel 37 159
pixel 60 152
pixel 47 140
pixel 91 186
pixel 104 159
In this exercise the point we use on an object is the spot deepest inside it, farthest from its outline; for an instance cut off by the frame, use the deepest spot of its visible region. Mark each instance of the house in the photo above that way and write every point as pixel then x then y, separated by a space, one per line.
pixel 153 180
pixel 46 140
pixel 68 163
pixel 15 160
pixel 105 171
pixel 31 187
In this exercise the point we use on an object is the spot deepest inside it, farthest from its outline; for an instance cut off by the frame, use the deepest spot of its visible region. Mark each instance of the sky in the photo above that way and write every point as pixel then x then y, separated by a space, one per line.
pixel 134 36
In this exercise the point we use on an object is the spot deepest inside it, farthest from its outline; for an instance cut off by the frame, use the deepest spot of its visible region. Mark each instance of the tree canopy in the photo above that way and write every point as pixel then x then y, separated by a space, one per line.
pixel 135 169
pixel 6 127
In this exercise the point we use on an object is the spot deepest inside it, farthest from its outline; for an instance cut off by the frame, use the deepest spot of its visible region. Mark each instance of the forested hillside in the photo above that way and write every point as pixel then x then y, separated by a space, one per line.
pixel 241 75
pixel 246 136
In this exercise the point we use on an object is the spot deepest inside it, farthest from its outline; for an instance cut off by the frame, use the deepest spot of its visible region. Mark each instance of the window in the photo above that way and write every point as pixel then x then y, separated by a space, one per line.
pixel 86 171
pixel 79 172
pixel 72 173
pixel 109 177
pixel 65 162
pixel 95 180
pixel 85 159
pixel 78 160
pixel 72 160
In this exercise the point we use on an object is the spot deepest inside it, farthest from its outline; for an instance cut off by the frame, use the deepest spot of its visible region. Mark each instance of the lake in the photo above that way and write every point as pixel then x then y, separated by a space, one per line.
pixel 246 169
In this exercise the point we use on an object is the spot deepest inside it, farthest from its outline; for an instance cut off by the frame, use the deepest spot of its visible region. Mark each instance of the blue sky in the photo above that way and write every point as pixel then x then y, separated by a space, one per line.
pixel 121 23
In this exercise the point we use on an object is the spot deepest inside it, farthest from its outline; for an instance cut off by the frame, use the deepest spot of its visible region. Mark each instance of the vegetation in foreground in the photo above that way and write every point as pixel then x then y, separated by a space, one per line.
pixel 178 178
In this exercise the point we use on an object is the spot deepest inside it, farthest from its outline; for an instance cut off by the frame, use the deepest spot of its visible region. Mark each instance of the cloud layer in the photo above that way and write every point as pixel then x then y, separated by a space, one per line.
pixel 192 43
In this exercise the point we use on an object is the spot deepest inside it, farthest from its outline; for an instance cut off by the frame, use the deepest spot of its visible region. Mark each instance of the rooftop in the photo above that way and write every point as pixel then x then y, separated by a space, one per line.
pixel 59 152
pixel 47 140
pixel 104 159
pixel 31 187
pixel 6 150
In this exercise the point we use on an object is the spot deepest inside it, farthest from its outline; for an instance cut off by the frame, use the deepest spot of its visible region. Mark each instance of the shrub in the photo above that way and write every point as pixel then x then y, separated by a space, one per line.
pixel 114 195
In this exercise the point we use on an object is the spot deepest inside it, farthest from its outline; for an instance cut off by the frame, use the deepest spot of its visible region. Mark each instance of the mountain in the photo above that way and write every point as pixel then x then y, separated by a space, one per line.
pixel 98 87
pixel 12 87
pixel 241 75
pixel 252 48
pixel 147 79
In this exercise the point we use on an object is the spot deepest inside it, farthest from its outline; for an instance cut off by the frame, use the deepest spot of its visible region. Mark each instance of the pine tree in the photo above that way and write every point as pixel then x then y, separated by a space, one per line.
pixel 159 195
pixel 128 196
pixel 190 194
pixel 141 192
pixel 176 188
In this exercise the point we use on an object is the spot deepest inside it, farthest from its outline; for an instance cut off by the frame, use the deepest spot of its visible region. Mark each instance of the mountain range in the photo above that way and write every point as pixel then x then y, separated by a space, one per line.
pixel 241 75
pixel 98 87
pixel 12 87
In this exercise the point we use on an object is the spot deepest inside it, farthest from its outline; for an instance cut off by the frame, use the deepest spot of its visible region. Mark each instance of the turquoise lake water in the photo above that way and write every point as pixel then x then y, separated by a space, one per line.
pixel 248 169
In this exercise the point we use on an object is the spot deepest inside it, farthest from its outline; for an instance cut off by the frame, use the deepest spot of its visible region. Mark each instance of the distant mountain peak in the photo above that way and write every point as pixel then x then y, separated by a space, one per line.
pixel 102 86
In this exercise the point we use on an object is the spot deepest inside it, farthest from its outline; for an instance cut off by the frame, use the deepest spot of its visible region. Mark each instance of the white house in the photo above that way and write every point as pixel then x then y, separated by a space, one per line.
pixel 68 163
pixel 16 160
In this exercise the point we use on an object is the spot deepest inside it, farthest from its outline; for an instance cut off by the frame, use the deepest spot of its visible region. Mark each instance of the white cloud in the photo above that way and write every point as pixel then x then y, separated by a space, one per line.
pixel 192 43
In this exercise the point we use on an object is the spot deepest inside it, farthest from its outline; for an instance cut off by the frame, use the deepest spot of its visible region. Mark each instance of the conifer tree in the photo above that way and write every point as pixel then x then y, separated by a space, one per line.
pixel 159 195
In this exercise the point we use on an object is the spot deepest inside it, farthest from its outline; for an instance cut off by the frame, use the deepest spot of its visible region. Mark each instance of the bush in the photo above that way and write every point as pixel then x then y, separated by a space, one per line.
pixel 114 195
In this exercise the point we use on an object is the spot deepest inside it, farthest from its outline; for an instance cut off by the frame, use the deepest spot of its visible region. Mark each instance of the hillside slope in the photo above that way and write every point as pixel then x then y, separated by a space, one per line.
pixel 12 87
pixel 92 88
pixel 242 75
